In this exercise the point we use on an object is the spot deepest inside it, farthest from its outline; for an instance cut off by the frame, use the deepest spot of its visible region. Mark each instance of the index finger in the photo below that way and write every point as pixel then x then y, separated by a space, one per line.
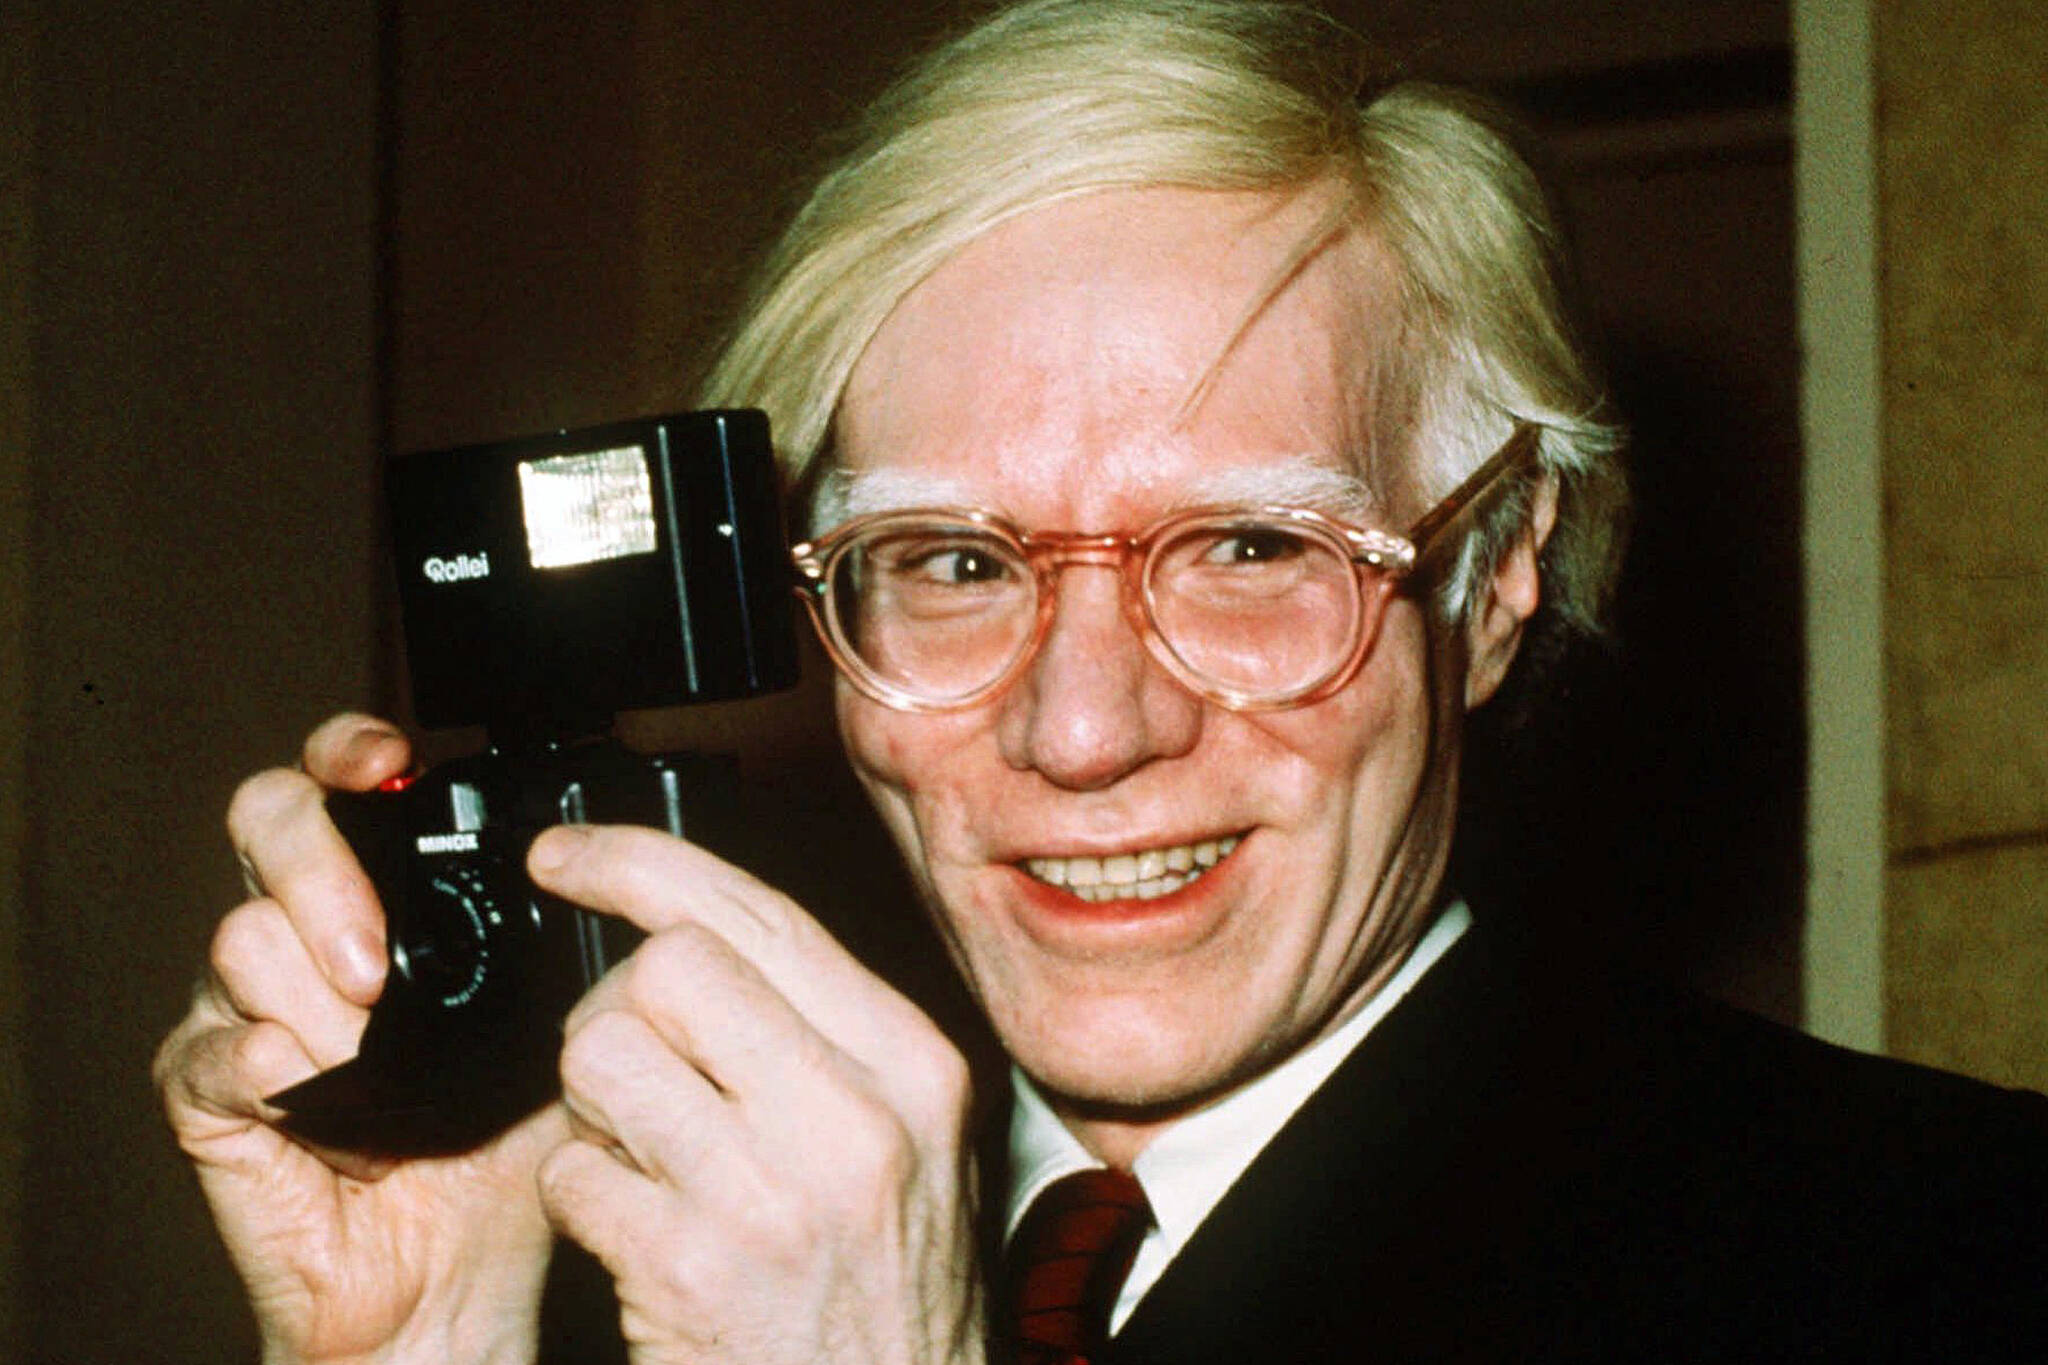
pixel 658 882
pixel 279 826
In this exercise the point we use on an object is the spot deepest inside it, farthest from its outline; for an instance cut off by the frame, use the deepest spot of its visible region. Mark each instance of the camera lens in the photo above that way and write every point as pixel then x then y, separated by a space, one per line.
pixel 445 948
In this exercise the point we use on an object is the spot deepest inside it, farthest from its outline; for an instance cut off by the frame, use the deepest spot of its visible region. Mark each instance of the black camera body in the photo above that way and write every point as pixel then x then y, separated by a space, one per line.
pixel 546 584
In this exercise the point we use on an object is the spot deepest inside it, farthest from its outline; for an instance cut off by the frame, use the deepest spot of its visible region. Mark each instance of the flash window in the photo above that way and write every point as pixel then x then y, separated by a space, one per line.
pixel 586 507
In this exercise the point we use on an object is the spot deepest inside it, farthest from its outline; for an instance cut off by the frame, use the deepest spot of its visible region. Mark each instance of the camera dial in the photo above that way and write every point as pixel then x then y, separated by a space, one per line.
pixel 445 950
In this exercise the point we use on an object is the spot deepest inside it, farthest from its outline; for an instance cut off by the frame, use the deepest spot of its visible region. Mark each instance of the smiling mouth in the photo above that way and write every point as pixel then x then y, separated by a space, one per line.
pixel 1141 876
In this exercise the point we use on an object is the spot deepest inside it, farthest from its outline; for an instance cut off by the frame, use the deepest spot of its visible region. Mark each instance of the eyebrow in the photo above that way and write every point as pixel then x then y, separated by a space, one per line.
pixel 1295 481
pixel 844 494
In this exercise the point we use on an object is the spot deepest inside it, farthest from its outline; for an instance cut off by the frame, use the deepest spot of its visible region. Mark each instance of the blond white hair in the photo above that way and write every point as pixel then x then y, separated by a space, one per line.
pixel 1055 98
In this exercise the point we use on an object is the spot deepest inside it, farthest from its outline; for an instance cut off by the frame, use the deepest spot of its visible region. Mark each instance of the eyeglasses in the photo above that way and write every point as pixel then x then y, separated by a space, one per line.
pixel 1252 608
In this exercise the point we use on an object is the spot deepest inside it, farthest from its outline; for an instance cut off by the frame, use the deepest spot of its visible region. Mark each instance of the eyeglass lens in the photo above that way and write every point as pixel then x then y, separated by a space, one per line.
pixel 1254 607
pixel 936 609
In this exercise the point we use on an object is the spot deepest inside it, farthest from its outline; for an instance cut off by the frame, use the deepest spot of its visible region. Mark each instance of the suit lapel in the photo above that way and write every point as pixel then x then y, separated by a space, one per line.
pixel 1336 1233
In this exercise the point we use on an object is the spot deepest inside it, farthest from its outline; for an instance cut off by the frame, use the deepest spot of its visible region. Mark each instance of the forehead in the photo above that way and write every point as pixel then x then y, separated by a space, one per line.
pixel 1103 356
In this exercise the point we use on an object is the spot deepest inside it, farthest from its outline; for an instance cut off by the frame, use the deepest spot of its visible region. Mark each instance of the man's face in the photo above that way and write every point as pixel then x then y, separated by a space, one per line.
pixel 1044 373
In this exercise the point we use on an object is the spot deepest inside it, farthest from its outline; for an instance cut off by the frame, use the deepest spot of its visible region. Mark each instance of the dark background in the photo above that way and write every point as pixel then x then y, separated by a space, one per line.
pixel 270 242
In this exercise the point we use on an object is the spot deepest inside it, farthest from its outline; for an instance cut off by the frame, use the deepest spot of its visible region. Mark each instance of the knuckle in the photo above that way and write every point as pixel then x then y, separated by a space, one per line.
pixel 770 923
pixel 226 1064
pixel 776 1222
pixel 244 941
pixel 649 871
pixel 336 886
pixel 931 1081
pixel 669 963
pixel 594 1048
pixel 260 801
pixel 940 1068
pixel 872 1142
pixel 564 1174
pixel 687 1275
pixel 945 1084
pixel 174 1055
pixel 573 1181
pixel 265 1050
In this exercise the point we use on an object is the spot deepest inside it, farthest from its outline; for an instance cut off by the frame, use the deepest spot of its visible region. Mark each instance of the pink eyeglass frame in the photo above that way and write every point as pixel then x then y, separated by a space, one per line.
pixel 1387 558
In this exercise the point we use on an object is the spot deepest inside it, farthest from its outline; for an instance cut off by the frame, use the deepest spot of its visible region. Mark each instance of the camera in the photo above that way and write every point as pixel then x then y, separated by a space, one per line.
pixel 545 585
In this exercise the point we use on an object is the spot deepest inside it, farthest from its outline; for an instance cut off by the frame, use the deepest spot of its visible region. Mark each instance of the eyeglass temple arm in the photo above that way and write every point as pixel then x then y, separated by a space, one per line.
pixel 1517 454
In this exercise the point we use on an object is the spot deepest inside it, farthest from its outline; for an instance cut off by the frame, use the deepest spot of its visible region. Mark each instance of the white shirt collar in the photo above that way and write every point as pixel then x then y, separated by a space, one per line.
pixel 1188 1168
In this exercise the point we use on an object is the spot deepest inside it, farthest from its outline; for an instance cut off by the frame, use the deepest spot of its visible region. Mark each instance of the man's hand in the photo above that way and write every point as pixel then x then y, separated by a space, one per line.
pixel 432 1260
pixel 770 1152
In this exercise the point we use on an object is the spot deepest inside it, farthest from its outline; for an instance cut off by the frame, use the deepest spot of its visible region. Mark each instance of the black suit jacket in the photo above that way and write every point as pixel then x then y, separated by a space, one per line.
pixel 1513 1169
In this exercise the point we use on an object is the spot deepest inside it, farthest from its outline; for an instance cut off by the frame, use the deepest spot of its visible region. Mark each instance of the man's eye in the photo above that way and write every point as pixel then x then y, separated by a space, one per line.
pixel 1252 545
pixel 953 565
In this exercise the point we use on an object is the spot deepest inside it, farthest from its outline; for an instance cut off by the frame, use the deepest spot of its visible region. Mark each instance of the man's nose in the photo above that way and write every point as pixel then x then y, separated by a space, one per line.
pixel 1094 704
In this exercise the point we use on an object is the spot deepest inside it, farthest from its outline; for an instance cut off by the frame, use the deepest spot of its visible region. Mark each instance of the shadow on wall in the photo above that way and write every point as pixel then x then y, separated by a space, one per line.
pixel 1649 810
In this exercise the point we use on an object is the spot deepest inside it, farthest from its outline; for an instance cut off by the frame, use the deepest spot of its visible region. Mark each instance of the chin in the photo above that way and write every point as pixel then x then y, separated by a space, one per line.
pixel 1138 1067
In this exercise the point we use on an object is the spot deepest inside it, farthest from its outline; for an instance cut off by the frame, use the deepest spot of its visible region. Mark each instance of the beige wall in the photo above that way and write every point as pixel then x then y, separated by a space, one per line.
pixel 1962 155
pixel 17 221
pixel 187 355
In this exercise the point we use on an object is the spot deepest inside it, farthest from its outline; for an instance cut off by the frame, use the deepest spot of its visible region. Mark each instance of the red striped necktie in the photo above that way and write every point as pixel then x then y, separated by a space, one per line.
pixel 1067 1262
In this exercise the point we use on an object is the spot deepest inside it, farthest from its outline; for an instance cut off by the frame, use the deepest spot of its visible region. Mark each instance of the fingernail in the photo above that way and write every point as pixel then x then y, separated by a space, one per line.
pixel 360 961
pixel 556 847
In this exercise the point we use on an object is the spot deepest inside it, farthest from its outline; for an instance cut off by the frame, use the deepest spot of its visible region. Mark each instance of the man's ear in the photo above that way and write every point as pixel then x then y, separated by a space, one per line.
pixel 1507 599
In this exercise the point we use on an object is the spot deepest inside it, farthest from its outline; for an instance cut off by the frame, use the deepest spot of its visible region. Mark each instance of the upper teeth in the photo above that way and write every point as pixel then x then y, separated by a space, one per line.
pixel 1132 876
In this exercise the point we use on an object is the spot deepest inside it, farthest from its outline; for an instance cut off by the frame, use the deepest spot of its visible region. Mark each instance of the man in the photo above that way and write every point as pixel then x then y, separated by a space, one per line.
pixel 1190 438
